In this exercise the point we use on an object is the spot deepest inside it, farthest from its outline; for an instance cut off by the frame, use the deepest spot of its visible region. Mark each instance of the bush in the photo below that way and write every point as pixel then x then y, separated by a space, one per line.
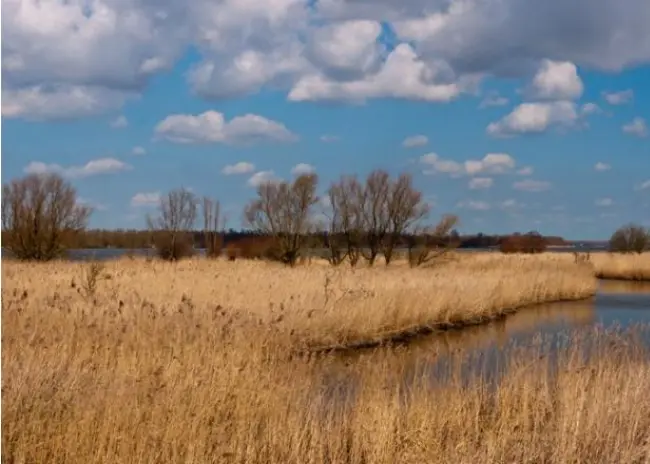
pixel 529 243
pixel 173 248
pixel 630 238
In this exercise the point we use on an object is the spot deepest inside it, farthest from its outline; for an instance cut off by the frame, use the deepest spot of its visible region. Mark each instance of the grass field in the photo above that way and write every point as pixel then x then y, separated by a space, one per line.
pixel 195 362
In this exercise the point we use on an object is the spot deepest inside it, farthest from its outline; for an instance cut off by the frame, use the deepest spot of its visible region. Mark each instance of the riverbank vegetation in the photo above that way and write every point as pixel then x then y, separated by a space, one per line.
pixel 316 306
pixel 195 361
pixel 622 266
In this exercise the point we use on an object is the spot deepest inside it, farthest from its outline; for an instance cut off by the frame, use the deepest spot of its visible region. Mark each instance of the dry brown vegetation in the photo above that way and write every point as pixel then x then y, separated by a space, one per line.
pixel 191 362
pixel 622 266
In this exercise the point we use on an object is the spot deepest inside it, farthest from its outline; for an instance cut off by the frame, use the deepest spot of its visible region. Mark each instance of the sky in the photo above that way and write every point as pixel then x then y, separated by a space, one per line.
pixel 514 115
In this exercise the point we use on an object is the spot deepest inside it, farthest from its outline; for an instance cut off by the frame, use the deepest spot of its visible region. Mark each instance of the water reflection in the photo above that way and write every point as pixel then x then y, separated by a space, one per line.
pixel 485 351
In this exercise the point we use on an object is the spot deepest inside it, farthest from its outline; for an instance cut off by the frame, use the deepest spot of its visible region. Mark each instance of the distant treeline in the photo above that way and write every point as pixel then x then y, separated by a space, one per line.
pixel 133 238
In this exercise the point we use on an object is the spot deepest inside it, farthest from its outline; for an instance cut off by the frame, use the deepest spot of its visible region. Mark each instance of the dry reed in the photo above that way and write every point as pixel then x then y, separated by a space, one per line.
pixel 89 386
pixel 622 266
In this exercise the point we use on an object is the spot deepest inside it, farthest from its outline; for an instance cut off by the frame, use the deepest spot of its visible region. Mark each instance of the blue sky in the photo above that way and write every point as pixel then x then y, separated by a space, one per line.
pixel 129 99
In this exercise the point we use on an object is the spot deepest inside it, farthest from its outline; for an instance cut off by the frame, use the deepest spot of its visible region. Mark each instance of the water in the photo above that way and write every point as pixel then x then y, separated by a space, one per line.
pixel 486 350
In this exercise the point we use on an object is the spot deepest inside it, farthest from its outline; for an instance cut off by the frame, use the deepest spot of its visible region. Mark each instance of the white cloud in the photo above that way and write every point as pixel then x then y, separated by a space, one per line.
pixel 535 118
pixel 619 98
pixel 479 183
pixel 556 81
pixel 525 171
pixel 530 185
pixel 243 167
pixel 402 75
pixel 211 127
pixel 436 164
pixel 36 103
pixel 145 199
pixel 329 138
pixel 262 177
pixel 492 163
pixel 474 205
pixel 302 168
pixel 317 50
pixel 637 127
pixel 119 122
pixel 91 168
pixel 346 50
pixel 599 166
pixel 138 151
pixel 604 202
pixel 644 185
pixel 415 141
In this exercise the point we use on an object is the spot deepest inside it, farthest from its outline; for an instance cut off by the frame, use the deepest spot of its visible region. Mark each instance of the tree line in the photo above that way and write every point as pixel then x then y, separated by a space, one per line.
pixel 356 219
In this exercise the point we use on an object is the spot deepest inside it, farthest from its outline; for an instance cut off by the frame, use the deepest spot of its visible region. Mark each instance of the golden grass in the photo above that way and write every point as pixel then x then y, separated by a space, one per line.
pixel 311 306
pixel 622 266
pixel 170 364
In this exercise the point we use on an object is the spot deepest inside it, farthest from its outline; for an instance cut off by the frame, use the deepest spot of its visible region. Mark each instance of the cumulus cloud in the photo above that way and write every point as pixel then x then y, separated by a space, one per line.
pixel 243 167
pixel 556 81
pixel 415 141
pixel 480 183
pixel 91 168
pixel 302 168
pixel 525 171
pixel 138 151
pixel 262 177
pixel 530 185
pixel 535 118
pixel 619 98
pixel 59 102
pixel 145 199
pixel 637 127
pixel 325 50
pixel 211 127
pixel 600 166
pixel 492 163
pixel 434 164
pixel 417 81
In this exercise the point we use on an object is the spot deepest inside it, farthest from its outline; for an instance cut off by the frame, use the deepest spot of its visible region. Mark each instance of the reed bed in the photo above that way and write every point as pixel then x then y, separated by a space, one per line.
pixel 140 376
pixel 621 266
pixel 312 307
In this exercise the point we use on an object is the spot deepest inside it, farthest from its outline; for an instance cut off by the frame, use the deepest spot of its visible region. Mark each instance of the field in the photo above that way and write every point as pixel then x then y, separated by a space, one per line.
pixel 205 361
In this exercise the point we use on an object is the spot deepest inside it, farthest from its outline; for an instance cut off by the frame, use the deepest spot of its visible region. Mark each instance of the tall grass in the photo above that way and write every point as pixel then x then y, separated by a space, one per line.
pixel 182 388
pixel 315 306
pixel 622 266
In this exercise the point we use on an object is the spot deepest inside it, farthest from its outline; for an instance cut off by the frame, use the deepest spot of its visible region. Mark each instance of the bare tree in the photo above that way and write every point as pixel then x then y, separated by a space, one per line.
pixel 431 243
pixel 344 198
pixel 283 211
pixel 213 222
pixel 173 225
pixel 630 238
pixel 405 207
pixel 372 203
pixel 40 215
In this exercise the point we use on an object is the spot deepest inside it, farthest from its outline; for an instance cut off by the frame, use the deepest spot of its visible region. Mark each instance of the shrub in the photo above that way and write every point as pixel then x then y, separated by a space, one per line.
pixel 630 238
pixel 528 243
